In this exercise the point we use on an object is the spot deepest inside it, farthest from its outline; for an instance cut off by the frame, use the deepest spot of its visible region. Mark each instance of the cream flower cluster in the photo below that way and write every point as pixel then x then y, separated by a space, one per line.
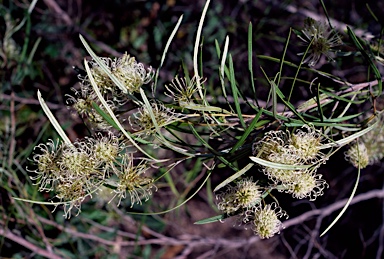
pixel 83 103
pixel 264 220
pixel 243 196
pixel 142 121
pixel 300 148
pixel 131 75
pixel 80 169
pixel 369 149
pixel 244 200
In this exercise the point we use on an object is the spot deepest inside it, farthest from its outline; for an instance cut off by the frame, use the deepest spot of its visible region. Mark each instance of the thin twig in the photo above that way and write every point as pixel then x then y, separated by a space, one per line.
pixel 352 88
pixel 340 26
pixel 19 240
pixel 61 14
pixel 12 143
pixel 198 241
pixel 380 249
pixel 323 212
pixel 22 100
pixel 51 4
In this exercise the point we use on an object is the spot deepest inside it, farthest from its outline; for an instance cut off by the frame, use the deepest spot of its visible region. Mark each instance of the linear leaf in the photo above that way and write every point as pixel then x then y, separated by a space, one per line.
pixel 52 119
pixel 210 220
pixel 169 41
pixel 235 92
pixel 247 131
pixel 233 177
pixel 346 204
pixel 277 165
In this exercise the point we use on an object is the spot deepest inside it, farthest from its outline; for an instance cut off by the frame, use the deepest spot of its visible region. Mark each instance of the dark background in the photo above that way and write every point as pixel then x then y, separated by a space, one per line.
pixel 142 28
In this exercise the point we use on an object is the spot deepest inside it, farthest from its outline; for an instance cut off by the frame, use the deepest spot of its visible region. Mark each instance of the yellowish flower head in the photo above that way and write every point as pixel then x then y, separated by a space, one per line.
pixel 265 220
pixel 244 195
pixel 357 155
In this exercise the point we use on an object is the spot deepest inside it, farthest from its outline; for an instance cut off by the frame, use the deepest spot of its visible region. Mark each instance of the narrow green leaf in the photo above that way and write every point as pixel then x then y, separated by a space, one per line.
pixel 277 165
pixel 33 51
pixel 372 13
pixel 247 132
pixel 234 177
pixel 350 138
pixel 235 92
pixel 222 66
pixel 367 58
pixel 40 202
pixel 171 184
pixel 52 119
pixel 283 59
pixel 345 118
pixel 326 13
pixel 318 99
pixel 250 60
pixel 104 115
pixel 210 220
pixel 196 48
pixel 169 41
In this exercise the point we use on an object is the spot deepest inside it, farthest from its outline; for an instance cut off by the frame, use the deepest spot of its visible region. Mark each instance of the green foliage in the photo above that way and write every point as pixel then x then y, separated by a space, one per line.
pixel 257 129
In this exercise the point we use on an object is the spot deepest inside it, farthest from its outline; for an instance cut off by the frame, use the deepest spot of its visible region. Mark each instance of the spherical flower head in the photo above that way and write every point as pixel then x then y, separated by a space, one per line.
pixel 272 142
pixel 226 205
pixel 307 144
pixel 83 101
pixel 281 175
pixel 182 91
pixel 76 162
pixel 245 194
pixel 142 120
pixel 46 159
pixel 299 148
pixel 132 74
pixel 72 194
pixel 276 147
pixel 105 149
pixel 374 141
pixel 265 220
pixel 307 184
pixel 321 38
pixel 132 181
pixel 103 81
pixel 357 155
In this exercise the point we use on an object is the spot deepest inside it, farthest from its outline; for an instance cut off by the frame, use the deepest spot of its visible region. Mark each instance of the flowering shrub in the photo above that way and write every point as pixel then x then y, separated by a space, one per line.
pixel 134 123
